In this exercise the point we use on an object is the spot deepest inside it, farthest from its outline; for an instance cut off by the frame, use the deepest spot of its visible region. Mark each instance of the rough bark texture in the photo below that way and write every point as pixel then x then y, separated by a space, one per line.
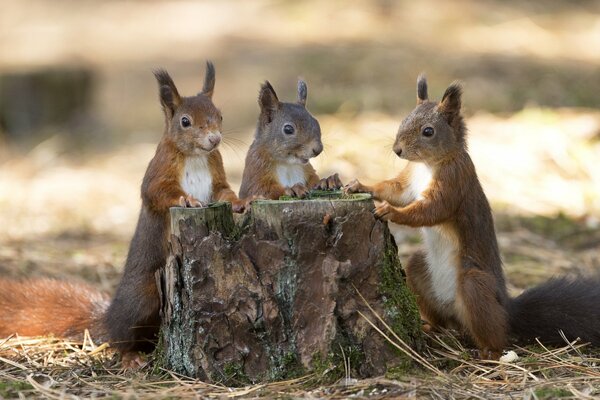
pixel 276 294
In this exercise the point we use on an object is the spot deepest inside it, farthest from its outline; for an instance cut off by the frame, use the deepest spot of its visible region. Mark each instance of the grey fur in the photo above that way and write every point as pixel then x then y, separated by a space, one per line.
pixel 302 92
pixel 422 88
pixel 209 80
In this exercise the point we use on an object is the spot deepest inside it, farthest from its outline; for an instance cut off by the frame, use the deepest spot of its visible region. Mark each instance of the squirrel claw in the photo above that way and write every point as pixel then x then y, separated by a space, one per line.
pixel 298 190
pixel 485 354
pixel 189 202
pixel 238 206
pixel 332 182
pixel 384 211
pixel 353 186
pixel 132 361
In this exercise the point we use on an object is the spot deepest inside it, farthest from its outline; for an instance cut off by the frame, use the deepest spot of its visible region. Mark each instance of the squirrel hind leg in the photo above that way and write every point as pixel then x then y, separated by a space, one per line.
pixel 482 315
pixel 132 360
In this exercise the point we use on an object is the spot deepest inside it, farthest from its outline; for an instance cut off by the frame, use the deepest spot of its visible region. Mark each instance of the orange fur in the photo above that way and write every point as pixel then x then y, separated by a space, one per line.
pixel 458 281
pixel 131 321
pixel 39 307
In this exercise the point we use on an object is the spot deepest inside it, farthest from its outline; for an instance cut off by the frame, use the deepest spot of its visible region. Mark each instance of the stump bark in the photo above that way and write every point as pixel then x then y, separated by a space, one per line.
pixel 276 293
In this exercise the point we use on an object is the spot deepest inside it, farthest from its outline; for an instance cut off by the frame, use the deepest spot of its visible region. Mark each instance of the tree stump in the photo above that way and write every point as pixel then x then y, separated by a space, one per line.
pixel 276 294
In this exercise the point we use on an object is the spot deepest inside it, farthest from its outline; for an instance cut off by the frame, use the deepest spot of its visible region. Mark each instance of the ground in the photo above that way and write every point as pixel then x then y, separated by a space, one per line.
pixel 69 197
pixel 71 218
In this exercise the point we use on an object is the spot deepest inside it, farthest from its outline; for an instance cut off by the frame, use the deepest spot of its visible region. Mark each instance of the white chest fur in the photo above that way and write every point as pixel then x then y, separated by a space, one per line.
pixel 290 174
pixel 441 243
pixel 196 179
pixel 420 178
pixel 441 249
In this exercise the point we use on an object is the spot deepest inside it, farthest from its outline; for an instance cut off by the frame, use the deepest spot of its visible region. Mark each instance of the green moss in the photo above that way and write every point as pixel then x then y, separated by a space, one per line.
pixel 159 356
pixel 233 375
pixel 11 389
pixel 551 393
pixel 286 366
pixel 328 194
pixel 331 368
pixel 401 311
pixel 402 369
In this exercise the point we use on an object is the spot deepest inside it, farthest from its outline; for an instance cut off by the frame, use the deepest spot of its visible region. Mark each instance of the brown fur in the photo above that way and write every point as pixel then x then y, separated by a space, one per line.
pixel 272 146
pixel 259 178
pixel 130 323
pixel 133 318
pixel 73 307
pixel 455 204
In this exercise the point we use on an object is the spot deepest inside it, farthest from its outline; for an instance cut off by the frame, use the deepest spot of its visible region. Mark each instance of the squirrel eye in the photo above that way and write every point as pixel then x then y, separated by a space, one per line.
pixel 427 132
pixel 288 129
pixel 185 122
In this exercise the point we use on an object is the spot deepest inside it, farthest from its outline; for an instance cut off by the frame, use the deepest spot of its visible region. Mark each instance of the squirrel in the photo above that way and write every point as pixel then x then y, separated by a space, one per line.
pixel 187 170
pixel 287 137
pixel 458 280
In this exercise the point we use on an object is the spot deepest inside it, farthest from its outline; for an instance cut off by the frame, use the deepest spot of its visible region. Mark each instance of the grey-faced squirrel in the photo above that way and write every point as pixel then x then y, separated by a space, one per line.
pixel 287 137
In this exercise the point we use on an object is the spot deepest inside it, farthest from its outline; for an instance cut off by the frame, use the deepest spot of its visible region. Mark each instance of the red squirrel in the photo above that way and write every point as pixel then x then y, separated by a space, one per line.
pixel 278 160
pixel 458 280
pixel 187 170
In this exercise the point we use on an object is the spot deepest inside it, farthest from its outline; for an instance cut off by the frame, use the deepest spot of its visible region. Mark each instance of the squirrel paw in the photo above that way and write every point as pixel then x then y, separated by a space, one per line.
pixel 298 190
pixel 241 205
pixel 426 327
pixel 132 360
pixel 189 202
pixel 330 183
pixel 385 211
pixel 353 187
pixel 486 354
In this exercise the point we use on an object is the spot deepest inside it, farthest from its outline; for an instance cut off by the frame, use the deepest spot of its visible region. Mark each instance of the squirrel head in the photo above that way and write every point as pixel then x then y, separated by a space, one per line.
pixel 192 123
pixel 291 133
pixel 433 131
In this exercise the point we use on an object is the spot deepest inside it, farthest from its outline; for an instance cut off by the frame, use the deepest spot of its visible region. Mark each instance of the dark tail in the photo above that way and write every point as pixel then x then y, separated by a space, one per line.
pixel 568 305
pixel 40 307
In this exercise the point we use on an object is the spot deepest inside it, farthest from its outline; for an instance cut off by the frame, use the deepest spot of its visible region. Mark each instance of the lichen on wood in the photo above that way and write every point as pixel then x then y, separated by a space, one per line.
pixel 276 293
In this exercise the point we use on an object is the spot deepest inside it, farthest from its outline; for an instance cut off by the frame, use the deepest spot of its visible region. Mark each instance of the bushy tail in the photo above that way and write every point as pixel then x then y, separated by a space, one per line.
pixel 569 305
pixel 39 307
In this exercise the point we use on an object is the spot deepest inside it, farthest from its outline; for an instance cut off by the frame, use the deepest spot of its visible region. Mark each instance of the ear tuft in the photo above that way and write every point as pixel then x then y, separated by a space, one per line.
pixel 451 102
pixel 168 94
pixel 302 92
pixel 209 80
pixel 268 101
pixel 422 88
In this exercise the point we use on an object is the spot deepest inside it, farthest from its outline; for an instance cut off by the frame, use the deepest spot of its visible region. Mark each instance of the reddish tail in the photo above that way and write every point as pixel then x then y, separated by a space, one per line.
pixel 40 307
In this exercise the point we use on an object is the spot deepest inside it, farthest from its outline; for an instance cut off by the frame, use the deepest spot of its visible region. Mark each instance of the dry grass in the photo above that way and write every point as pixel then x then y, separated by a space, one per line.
pixel 50 368
pixel 71 217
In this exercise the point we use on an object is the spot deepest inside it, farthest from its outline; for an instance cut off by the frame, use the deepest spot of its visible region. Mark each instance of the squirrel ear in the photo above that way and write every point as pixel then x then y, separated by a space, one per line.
pixel 302 92
pixel 209 80
pixel 268 101
pixel 421 88
pixel 169 96
pixel 451 102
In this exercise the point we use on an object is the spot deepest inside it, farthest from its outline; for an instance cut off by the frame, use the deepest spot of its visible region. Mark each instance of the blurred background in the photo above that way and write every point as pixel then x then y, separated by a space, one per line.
pixel 80 118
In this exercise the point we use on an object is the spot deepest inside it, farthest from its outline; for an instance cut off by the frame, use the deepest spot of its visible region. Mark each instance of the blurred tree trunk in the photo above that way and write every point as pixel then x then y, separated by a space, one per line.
pixel 276 294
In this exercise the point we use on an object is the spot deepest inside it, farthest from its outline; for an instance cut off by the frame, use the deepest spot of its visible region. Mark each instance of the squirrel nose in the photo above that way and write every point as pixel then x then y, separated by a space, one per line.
pixel 317 150
pixel 214 140
pixel 398 152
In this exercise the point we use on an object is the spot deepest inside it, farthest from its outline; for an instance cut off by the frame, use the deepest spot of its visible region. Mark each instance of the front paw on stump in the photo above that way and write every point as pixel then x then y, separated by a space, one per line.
pixel 190 202
pixel 298 190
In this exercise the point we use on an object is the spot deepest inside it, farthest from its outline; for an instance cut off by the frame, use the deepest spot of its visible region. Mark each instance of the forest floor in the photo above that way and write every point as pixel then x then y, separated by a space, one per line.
pixel 70 216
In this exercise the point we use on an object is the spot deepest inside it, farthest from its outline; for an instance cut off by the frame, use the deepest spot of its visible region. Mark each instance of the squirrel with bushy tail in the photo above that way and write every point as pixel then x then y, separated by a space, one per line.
pixel 187 170
pixel 458 278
